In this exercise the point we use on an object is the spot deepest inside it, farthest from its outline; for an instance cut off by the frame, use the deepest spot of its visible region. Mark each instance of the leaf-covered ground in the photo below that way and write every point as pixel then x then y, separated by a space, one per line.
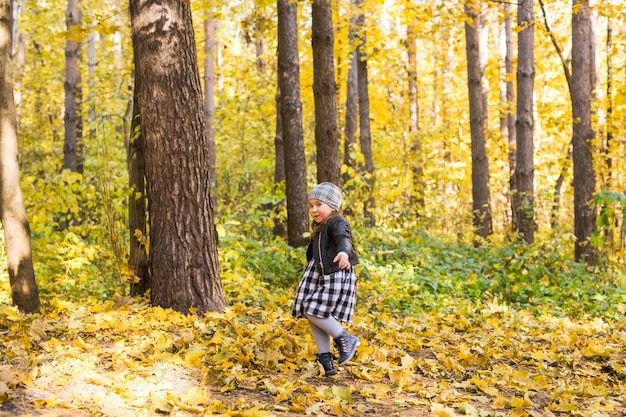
pixel 126 358
pixel 446 330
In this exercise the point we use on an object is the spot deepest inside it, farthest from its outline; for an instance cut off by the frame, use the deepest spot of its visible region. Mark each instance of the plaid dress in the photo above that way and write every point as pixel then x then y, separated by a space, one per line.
pixel 326 295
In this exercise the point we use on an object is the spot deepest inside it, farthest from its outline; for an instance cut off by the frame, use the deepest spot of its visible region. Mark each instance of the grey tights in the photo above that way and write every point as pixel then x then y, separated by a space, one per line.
pixel 323 329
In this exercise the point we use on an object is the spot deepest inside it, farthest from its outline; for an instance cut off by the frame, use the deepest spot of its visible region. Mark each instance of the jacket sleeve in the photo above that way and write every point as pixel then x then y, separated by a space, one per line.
pixel 342 236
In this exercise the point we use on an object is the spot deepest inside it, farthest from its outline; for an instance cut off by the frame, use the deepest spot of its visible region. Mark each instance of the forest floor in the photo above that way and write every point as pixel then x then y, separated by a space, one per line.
pixel 132 360
pixel 89 393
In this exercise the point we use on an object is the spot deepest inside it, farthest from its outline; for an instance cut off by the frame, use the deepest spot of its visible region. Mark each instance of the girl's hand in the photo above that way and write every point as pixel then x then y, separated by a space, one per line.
pixel 343 260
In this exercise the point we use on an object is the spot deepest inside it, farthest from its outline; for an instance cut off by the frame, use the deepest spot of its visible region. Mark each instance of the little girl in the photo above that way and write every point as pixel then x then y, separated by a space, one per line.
pixel 326 294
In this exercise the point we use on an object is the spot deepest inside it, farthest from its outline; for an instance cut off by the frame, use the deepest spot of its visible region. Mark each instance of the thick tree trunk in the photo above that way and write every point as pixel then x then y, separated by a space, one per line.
pixel 523 195
pixel 14 221
pixel 291 116
pixel 583 134
pixel 478 117
pixel 72 148
pixel 183 239
pixel 324 92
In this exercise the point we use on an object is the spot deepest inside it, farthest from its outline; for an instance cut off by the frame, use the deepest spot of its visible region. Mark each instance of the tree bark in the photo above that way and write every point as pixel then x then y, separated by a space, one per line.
pixel 12 213
pixel 291 116
pixel 324 93
pixel 137 207
pixel 478 117
pixel 72 147
pixel 183 239
pixel 523 195
pixel 583 134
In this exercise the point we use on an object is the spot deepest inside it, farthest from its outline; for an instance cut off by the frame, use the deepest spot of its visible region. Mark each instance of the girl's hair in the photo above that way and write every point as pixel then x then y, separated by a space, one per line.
pixel 317 227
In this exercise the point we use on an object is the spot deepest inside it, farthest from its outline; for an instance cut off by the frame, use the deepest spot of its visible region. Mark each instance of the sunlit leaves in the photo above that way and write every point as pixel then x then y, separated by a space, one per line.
pixel 461 359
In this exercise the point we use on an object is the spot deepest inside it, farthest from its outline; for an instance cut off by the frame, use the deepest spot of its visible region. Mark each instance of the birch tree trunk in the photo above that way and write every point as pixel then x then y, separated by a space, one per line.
pixel 14 221
pixel 72 147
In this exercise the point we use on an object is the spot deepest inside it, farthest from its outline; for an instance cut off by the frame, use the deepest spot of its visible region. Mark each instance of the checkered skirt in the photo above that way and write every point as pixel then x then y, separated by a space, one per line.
pixel 326 295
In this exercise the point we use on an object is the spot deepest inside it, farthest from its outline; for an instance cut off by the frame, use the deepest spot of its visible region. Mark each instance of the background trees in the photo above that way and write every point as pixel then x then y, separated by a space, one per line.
pixel 245 122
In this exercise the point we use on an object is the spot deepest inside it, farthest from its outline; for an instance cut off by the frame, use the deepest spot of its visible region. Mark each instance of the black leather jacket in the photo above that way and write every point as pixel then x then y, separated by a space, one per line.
pixel 335 237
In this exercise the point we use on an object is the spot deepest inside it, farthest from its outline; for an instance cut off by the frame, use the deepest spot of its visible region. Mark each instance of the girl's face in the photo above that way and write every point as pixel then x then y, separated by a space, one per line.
pixel 319 210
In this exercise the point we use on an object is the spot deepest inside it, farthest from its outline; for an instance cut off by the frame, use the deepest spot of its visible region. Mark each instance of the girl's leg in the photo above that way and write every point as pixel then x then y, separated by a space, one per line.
pixel 322 339
pixel 345 342
pixel 329 325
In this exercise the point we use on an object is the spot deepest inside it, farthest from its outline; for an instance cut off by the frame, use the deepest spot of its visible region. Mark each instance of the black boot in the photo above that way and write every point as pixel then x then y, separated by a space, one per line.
pixel 326 359
pixel 346 344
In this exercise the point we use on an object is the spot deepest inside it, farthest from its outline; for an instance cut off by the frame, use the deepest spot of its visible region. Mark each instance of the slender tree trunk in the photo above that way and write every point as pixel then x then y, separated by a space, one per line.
pixel 137 207
pixel 91 70
pixel 324 92
pixel 583 134
pixel 291 116
pixel 365 135
pixel 510 96
pixel 280 228
pixel 556 199
pixel 118 50
pixel 417 161
pixel 478 119
pixel 523 195
pixel 72 148
pixel 259 38
pixel 12 213
pixel 507 95
pixel 609 100
pixel 210 30
pixel 352 111
pixel 183 239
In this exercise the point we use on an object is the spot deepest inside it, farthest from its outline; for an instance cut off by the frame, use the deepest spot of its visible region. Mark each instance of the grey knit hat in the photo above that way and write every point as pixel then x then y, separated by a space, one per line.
pixel 328 193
